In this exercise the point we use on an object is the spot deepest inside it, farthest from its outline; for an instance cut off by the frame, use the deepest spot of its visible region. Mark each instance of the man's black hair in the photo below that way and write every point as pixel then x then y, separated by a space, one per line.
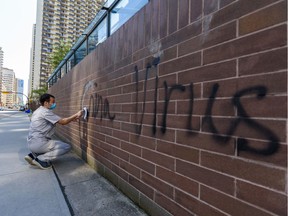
pixel 45 97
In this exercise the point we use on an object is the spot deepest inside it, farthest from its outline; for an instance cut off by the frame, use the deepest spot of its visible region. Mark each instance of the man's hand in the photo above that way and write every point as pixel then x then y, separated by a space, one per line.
pixel 78 115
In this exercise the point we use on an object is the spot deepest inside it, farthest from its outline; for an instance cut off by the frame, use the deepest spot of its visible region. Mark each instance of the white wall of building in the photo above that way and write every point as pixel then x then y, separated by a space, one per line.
pixel 8 83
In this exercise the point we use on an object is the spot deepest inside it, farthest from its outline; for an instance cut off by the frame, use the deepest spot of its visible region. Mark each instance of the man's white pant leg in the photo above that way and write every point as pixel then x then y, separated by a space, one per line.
pixel 55 149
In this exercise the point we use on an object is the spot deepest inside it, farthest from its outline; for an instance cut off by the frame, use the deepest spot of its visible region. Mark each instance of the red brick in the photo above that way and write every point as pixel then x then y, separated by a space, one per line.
pixel 147 142
pixel 266 106
pixel 169 54
pixel 159 159
pixel 279 158
pixel 128 127
pixel 130 88
pixel 271 61
pixel 183 34
pixel 275 83
pixel 206 176
pixel 264 18
pixel 143 164
pixel 147 24
pixel 138 56
pixel 121 135
pixel 131 148
pixel 265 40
pixel 144 188
pixel 112 158
pixel 253 172
pixel 221 107
pixel 183 63
pixel 163 18
pixel 178 94
pixel 264 198
pixel 195 10
pixel 236 10
pixel 101 158
pixel 169 135
pixel 195 205
pixel 124 62
pixel 224 3
pixel 205 141
pixel 173 16
pixel 229 204
pixel 210 6
pixel 122 116
pixel 180 122
pixel 120 172
pixel 141 31
pixel 128 40
pixel 208 39
pixel 184 11
pixel 113 141
pixel 170 205
pixel 179 181
pixel 258 129
pixel 134 31
pixel 130 168
pixel 181 152
pixel 155 19
pixel 209 73
pixel 157 184
pixel 120 153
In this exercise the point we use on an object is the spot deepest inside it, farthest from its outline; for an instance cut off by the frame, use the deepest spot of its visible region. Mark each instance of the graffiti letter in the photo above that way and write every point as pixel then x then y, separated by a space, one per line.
pixel 273 144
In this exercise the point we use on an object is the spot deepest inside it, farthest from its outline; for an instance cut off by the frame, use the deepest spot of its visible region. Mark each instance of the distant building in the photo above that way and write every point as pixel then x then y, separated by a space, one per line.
pixel 32 75
pixel 19 89
pixel 8 84
pixel 1 57
pixel 56 20
pixel 1 66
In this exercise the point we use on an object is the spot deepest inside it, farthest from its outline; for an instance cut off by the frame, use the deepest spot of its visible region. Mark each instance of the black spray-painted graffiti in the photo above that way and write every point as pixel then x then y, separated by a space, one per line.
pixel 99 107
pixel 242 116
pixel 97 104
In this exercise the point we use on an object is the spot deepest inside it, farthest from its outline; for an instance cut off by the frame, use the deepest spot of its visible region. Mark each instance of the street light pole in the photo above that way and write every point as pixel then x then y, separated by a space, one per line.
pixel 13 92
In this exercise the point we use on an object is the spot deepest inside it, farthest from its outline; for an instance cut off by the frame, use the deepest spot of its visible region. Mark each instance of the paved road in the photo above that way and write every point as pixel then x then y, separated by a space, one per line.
pixel 4 114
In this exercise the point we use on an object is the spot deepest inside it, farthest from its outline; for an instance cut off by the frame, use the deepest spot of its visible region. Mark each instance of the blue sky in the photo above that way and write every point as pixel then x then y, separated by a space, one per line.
pixel 16 21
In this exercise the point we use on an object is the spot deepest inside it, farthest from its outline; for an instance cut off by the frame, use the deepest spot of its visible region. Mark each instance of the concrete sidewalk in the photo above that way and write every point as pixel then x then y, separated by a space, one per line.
pixel 24 190
pixel 70 188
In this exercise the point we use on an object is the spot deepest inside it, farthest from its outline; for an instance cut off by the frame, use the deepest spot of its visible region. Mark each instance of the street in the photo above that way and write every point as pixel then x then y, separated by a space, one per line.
pixel 7 113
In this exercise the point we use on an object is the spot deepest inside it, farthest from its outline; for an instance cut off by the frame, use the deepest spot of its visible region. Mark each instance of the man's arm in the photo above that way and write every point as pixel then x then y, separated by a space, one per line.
pixel 67 120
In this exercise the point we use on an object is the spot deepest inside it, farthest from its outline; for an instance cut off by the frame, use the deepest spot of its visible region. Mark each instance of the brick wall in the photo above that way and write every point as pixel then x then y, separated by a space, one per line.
pixel 188 107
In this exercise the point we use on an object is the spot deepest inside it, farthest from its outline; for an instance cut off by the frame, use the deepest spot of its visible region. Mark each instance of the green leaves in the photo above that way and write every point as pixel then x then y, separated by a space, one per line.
pixel 59 51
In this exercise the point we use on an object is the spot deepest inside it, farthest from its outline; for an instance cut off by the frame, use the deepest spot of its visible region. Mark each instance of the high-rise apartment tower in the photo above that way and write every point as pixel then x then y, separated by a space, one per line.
pixel 1 57
pixel 8 84
pixel 57 20
pixel 1 66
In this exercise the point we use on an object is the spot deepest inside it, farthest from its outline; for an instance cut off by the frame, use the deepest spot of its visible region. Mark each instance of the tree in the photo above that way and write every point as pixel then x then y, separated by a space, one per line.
pixel 34 97
pixel 58 54
pixel 35 94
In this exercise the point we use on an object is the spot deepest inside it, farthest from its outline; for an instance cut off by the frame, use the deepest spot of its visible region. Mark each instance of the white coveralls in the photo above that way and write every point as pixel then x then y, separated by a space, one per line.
pixel 42 128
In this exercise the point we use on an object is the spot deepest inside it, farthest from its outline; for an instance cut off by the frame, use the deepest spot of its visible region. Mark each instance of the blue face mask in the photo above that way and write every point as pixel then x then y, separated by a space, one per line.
pixel 53 106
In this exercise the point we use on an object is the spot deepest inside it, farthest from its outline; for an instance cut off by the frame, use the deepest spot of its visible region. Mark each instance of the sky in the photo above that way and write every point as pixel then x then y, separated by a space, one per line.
pixel 16 21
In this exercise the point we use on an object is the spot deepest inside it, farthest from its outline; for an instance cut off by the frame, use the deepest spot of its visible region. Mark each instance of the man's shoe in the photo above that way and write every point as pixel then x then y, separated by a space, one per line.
pixel 41 164
pixel 29 158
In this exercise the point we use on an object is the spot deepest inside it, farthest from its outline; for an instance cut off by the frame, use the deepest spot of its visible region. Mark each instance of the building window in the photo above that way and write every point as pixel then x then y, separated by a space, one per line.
pixel 123 11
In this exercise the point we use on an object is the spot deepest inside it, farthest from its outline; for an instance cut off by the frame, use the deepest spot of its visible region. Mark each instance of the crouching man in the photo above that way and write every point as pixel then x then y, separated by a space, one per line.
pixel 43 148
